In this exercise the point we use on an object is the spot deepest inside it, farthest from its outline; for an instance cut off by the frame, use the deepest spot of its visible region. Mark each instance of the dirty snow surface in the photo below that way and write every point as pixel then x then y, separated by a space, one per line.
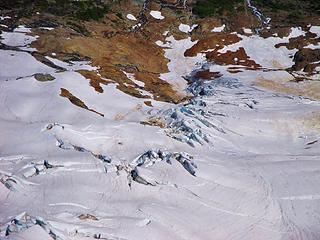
pixel 234 162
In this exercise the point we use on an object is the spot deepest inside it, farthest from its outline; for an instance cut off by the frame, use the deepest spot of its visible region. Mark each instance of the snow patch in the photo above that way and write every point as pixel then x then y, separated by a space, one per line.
pixel 13 65
pixel 218 29
pixel 247 30
pixel 131 17
pixel 316 30
pixel 268 55
pixel 4 18
pixel 179 65
pixel 47 28
pixel 22 29
pixel 156 15
pixel 17 39
pixel 187 28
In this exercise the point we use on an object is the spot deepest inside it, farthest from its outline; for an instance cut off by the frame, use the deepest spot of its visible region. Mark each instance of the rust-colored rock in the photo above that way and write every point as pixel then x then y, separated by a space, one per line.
pixel 206 74
pixel 76 101
pixel 88 217
pixel 238 57
pixel 94 80
pixel 214 41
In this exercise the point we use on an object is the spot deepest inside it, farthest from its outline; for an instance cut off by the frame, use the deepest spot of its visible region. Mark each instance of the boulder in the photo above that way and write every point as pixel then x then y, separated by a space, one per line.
pixel 304 58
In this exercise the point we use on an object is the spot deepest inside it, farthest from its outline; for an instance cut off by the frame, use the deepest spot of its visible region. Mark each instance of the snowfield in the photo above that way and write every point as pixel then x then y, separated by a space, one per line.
pixel 234 162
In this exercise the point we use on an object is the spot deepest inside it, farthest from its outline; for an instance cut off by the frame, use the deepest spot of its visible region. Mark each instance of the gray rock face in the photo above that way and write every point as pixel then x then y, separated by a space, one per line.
pixel 43 77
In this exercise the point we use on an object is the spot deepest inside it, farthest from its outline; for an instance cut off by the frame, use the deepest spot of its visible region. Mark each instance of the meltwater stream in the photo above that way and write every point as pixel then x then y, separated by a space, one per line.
pixel 264 20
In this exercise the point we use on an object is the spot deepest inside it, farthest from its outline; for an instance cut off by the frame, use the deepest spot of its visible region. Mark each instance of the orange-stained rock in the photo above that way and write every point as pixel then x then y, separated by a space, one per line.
pixel 76 101
pixel 206 74
pixel 214 41
pixel 94 80
pixel 160 89
pixel 238 57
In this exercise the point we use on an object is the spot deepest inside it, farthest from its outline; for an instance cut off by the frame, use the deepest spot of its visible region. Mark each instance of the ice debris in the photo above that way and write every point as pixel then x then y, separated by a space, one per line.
pixel 194 122
pixel 68 146
pixel 152 156
pixel 39 168
pixel 8 181
pixel 25 221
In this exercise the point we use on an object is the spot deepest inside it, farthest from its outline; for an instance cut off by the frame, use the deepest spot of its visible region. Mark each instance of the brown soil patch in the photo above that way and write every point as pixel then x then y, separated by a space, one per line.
pixel 95 81
pixel 214 41
pixel 117 54
pixel 238 57
pixel 76 101
pixel 148 103
pixel 87 217
pixel 298 42
pixel 114 48
pixel 280 32
pixel 205 26
pixel 234 71
pixel 211 45
pixel 206 74
pixel 160 89
pixel 242 20
pixel 305 59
